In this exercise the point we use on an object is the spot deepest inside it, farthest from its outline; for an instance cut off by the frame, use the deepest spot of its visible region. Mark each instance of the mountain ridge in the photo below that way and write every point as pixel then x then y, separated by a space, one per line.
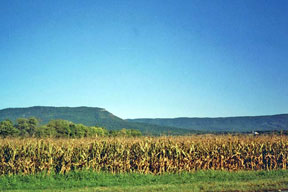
pixel 206 117
pixel 89 116
pixel 223 124
pixel 96 116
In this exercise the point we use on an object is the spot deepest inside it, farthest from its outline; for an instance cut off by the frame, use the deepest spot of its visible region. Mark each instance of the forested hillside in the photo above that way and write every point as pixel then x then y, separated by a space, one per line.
pixel 88 116
pixel 93 116
pixel 226 124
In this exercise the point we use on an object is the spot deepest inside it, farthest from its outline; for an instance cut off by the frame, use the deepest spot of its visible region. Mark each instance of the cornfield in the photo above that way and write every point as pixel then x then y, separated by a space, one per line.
pixel 144 154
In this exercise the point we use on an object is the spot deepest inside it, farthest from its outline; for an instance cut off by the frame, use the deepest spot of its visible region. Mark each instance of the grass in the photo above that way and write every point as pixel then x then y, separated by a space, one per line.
pixel 100 181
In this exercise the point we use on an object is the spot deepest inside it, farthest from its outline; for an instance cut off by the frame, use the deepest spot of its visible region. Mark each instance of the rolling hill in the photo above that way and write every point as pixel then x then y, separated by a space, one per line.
pixel 89 116
pixel 224 124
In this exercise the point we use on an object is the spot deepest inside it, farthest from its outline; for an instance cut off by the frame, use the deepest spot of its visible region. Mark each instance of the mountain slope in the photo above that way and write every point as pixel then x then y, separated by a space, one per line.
pixel 227 124
pixel 89 116
pixel 86 115
pixel 92 116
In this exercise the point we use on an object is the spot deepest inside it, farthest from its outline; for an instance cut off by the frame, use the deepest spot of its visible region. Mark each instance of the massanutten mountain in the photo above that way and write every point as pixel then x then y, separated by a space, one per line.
pixel 224 124
pixel 89 116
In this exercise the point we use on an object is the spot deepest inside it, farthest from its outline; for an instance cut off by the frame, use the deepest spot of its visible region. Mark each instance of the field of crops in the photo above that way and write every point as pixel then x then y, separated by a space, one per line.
pixel 143 154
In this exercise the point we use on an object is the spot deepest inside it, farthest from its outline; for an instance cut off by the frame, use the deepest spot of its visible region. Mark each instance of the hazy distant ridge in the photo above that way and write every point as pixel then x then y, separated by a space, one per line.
pixel 231 124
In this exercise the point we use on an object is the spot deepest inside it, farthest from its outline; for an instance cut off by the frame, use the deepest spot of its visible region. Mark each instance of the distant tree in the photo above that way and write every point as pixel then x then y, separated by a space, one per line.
pixel 27 126
pixel 44 131
pixel 97 131
pixel 33 123
pixel 62 127
pixel 23 126
pixel 80 130
pixel 135 133
pixel 59 128
pixel 125 133
pixel 7 129
pixel 113 133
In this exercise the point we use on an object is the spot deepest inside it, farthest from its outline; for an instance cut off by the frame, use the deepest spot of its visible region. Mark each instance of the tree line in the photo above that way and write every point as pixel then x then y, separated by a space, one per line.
pixel 31 127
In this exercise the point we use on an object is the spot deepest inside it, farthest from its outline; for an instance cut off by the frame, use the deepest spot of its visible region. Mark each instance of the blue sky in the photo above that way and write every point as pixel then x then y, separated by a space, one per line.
pixel 146 58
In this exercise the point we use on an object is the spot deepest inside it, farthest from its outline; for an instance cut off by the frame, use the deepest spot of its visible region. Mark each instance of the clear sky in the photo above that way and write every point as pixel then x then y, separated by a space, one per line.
pixel 146 58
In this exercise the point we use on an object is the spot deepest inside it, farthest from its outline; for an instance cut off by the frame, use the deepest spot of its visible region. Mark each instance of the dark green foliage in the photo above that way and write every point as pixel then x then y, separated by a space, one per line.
pixel 125 132
pixel 27 127
pixel 22 126
pixel 62 127
pixel 97 131
pixel 44 131
pixel 228 124
pixel 7 129
pixel 58 128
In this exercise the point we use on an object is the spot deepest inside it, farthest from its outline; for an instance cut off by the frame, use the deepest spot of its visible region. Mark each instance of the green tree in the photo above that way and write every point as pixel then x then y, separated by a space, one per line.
pixel 7 129
pixel 23 126
pixel 81 130
pixel 134 133
pixel 44 131
pixel 78 130
pixel 33 123
pixel 28 126
pixel 97 131
pixel 62 127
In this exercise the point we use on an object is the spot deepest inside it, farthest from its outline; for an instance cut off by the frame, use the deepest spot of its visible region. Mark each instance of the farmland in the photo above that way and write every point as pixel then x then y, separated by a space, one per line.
pixel 144 154
pixel 147 157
